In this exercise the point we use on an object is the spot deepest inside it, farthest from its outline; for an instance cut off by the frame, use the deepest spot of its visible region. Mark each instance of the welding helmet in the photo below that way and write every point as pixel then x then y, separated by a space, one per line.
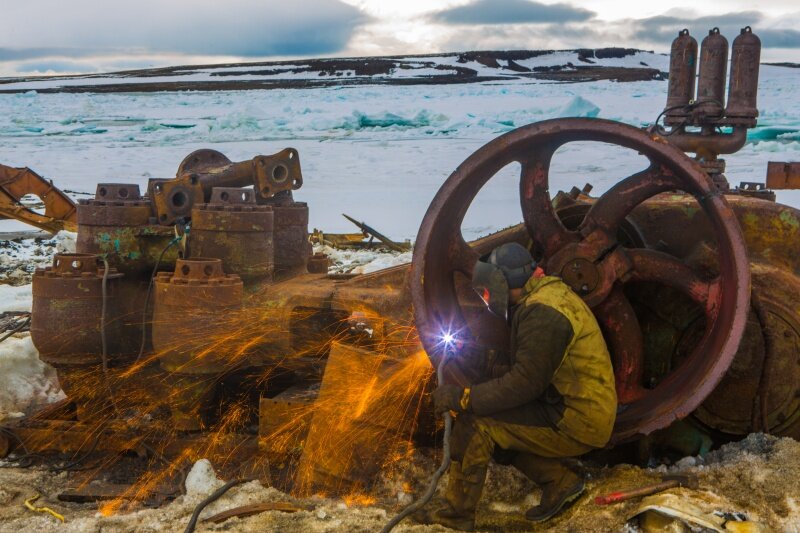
pixel 509 266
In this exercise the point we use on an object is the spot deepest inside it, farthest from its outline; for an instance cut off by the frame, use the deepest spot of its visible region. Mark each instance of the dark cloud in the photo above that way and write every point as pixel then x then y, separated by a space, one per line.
pixel 15 54
pixel 248 28
pixel 663 29
pixel 512 12
pixel 779 38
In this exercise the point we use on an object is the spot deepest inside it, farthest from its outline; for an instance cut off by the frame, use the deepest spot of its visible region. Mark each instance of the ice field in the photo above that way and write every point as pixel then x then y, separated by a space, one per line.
pixel 376 152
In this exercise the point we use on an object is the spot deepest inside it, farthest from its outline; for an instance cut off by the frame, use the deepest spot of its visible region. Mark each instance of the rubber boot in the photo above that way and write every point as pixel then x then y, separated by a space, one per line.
pixel 463 493
pixel 560 485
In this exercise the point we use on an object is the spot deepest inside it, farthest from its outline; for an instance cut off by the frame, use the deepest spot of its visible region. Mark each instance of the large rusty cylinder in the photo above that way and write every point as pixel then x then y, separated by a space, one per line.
pixel 234 229
pixel 190 400
pixel 292 248
pixel 682 72
pixel 67 311
pixel 86 388
pixel 743 85
pixel 119 224
pixel 711 80
pixel 195 318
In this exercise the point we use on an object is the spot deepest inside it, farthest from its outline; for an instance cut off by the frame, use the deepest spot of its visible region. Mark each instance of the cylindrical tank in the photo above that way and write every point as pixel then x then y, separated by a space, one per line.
pixel 292 248
pixel 66 326
pixel 711 81
pixel 118 224
pixel 231 227
pixel 743 86
pixel 194 322
pixel 682 72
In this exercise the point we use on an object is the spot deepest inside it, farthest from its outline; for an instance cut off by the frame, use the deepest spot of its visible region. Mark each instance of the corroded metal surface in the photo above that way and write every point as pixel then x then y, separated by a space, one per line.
pixel 66 327
pixel 682 72
pixel 119 224
pixel 783 175
pixel 441 253
pixel 743 84
pixel 203 170
pixel 231 227
pixel 59 209
pixel 712 74
pixel 193 314
pixel 292 248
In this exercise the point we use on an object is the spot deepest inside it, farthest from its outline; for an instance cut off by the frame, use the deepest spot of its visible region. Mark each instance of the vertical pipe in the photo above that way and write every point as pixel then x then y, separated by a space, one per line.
pixel 711 82
pixel 682 72
pixel 743 86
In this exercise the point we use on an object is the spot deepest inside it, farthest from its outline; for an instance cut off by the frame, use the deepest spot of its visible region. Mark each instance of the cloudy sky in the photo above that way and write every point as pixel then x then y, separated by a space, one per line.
pixel 66 36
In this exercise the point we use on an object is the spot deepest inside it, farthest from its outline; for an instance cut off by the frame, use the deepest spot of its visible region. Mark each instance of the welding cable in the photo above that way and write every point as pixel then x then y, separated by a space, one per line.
pixel 75 462
pixel 142 344
pixel 24 323
pixel 216 495
pixel 425 498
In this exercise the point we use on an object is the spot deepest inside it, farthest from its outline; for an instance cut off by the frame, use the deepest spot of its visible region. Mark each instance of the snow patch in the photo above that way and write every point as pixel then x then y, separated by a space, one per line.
pixel 202 479
pixel 15 298
pixel 26 383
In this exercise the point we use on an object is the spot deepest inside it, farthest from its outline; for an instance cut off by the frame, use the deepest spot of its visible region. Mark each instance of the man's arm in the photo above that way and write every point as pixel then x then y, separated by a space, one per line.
pixel 543 336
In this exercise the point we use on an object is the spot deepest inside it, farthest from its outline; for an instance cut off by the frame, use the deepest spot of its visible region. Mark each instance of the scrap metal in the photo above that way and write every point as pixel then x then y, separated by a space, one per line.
pixel 16 183
pixel 252 355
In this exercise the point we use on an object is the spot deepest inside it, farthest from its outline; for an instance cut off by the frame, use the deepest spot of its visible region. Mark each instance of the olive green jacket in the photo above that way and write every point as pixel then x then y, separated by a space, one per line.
pixel 559 373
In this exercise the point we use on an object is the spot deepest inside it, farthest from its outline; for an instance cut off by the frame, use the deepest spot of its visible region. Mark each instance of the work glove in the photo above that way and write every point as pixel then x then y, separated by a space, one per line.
pixel 447 397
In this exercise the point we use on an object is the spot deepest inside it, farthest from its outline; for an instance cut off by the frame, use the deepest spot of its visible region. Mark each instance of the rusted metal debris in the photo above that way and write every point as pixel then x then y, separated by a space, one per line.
pixel 250 331
pixel 203 170
pixel 373 233
pixel 231 227
pixel 257 508
pixel 783 175
pixel 666 483
pixel 189 312
pixel 59 209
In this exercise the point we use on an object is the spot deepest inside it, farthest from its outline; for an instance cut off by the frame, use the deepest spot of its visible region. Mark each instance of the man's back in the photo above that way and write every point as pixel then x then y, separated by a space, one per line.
pixel 584 379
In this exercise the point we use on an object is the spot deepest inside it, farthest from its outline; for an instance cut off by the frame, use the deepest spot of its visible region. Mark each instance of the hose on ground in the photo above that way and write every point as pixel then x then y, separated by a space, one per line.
pixel 426 497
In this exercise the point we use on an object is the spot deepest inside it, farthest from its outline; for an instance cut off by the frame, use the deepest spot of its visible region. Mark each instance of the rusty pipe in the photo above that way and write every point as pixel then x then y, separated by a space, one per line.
pixel 709 144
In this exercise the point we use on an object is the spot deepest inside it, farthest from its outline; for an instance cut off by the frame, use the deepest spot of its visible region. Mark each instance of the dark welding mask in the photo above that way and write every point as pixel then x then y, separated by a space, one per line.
pixel 509 266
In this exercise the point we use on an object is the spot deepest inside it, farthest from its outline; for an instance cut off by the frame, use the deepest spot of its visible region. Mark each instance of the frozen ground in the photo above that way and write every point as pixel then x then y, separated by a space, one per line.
pixel 378 153
pixel 755 480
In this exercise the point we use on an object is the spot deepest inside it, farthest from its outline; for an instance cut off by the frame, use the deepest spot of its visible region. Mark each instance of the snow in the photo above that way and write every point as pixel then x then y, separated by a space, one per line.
pixel 15 298
pixel 202 480
pixel 26 383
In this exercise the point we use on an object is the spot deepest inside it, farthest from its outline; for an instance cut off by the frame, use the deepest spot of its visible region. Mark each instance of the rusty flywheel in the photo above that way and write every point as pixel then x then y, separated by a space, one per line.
pixel 592 252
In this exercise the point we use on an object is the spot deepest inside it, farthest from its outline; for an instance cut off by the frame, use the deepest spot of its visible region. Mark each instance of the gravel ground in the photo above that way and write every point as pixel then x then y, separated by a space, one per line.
pixel 756 477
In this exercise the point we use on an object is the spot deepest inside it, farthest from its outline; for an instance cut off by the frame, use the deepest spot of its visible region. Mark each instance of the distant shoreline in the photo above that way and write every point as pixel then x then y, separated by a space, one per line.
pixel 560 66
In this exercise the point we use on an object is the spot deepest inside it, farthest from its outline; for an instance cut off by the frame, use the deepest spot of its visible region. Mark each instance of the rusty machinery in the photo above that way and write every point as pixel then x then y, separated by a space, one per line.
pixel 695 285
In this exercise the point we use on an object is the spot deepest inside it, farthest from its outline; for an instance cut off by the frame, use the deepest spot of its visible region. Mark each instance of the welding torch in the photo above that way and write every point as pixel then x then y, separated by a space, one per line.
pixel 450 344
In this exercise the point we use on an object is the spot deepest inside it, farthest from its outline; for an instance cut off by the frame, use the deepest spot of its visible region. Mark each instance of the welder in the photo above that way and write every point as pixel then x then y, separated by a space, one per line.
pixel 551 397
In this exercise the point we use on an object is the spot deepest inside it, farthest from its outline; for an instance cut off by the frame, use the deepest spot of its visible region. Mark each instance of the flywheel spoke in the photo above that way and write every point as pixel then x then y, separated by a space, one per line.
pixel 546 230
pixel 612 208
pixel 624 336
